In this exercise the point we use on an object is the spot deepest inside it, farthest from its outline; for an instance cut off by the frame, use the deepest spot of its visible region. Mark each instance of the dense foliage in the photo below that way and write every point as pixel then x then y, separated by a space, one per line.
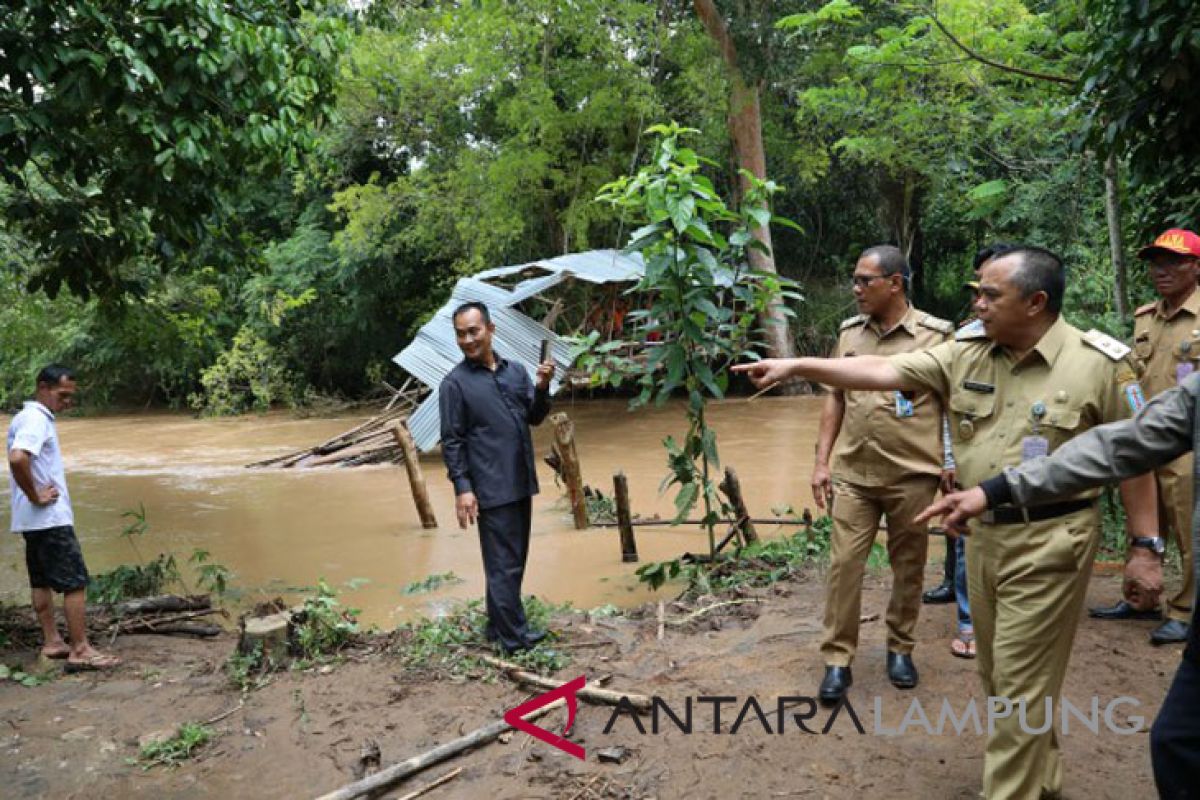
pixel 251 203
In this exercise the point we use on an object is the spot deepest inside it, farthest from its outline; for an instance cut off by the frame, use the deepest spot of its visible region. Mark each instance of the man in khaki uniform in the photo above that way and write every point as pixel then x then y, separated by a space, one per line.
pixel 1029 384
pixel 888 461
pixel 1166 428
pixel 1166 345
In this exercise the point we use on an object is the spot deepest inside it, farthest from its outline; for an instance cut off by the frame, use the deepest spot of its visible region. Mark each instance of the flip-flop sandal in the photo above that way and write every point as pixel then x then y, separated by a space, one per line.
pixel 963 645
pixel 58 655
pixel 101 661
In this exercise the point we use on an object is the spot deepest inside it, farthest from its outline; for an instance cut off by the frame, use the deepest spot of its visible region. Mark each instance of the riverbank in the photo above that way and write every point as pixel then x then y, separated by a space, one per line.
pixel 304 732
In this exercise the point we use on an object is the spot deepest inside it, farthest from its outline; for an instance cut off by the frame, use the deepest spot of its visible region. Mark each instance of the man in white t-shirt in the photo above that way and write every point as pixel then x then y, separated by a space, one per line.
pixel 41 512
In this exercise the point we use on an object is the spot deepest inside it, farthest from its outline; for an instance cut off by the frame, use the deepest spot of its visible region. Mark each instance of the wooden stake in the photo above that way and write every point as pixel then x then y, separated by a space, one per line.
pixel 629 553
pixel 416 478
pixel 564 441
pixel 733 490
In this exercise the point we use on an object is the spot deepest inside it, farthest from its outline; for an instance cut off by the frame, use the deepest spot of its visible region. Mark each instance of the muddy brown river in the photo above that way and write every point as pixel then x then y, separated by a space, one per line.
pixel 278 531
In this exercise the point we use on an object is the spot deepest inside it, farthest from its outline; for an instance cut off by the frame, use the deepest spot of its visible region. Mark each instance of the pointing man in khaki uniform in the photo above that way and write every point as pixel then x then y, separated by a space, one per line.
pixel 888 461
pixel 1166 345
pixel 1029 384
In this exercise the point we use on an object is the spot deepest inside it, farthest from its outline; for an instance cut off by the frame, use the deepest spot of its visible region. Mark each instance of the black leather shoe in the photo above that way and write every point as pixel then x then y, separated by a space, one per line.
pixel 1123 610
pixel 833 687
pixel 942 594
pixel 532 637
pixel 902 672
pixel 1170 632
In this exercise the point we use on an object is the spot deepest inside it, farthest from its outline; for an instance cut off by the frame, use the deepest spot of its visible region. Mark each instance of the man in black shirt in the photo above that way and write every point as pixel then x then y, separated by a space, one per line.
pixel 487 404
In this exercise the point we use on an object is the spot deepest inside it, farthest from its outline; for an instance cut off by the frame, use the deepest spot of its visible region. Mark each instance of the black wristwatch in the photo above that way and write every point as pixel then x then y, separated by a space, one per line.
pixel 1154 544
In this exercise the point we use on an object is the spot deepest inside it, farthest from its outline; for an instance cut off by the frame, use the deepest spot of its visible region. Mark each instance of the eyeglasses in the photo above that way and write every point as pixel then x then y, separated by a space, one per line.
pixel 863 281
pixel 1172 264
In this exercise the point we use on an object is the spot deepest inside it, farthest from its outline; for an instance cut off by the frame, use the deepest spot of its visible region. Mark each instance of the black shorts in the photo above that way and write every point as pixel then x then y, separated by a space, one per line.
pixel 54 560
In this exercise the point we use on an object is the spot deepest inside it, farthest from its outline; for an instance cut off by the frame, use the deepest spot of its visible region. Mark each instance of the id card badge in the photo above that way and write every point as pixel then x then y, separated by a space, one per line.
pixel 904 406
pixel 1183 369
pixel 1034 447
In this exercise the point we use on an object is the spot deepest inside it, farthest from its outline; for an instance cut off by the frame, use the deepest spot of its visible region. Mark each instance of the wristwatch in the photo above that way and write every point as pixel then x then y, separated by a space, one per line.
pixel 1154 544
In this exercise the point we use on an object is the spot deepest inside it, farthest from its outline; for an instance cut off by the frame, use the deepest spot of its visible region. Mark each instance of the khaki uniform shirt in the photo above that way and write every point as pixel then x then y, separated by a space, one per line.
pixel 887 436
pixel 1166 348
pixel 1165 430
pixel 1069 382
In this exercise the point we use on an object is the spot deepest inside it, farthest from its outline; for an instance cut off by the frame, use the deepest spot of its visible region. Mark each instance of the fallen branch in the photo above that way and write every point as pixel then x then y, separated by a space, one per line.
pixel 449 776
pixel 157 624
pixel 701 612
pixel 601 696
pixel 241 704
pixel 397 772
pixel 155 605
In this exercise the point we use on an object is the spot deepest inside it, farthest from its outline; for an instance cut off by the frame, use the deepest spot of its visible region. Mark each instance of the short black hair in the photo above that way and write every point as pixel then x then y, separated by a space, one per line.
pixel 473 305
pixel 52 374
pixel 990 251
pixel 1041 270
pixel 891 259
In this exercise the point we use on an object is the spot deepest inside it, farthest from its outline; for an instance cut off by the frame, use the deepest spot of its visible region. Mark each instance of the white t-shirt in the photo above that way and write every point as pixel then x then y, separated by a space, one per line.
pixel 33 430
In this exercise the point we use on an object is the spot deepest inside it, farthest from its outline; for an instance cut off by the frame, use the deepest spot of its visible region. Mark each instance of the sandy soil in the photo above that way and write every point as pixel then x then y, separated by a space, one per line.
pixel 302 734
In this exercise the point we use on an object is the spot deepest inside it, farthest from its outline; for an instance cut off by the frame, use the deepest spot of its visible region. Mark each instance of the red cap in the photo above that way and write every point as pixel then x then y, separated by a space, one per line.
pixel 1175 240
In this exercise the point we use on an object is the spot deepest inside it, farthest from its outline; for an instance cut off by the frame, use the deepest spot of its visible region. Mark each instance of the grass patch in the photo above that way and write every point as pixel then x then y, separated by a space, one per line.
pixel 452 643
pixel 27 679
pixel 432 583
pixel 179 748
pixel 759 564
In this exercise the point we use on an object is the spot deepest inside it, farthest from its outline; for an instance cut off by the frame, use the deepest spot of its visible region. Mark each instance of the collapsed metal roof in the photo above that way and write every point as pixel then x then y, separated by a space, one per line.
pixel 434 352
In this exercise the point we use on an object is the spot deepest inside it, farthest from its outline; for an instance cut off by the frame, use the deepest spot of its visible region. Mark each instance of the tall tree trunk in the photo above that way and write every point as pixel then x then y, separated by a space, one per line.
pixel 745 132
pixel 901 211
pixel 1112 211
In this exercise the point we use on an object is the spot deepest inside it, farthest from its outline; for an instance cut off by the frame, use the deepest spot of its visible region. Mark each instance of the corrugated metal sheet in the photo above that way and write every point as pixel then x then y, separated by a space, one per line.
pixel 434 351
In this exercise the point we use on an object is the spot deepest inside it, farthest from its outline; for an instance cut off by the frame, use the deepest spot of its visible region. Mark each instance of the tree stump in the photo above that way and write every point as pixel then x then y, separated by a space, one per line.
pixel 269 634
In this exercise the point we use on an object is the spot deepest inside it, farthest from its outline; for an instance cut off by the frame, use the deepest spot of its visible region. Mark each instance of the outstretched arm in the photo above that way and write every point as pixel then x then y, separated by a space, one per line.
pixel 870 373
pixel 1118 451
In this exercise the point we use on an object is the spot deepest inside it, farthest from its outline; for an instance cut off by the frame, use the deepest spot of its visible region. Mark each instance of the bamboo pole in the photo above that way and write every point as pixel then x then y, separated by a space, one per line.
pixel 564 440
pixel 398 772
pixel 593 695
pixel 416 478
pixel 629 553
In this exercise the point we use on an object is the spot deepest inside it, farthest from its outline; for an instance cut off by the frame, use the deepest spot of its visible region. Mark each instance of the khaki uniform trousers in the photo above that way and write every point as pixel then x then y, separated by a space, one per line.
pixel 856 514
pixel 1027 585
pixel 1175 488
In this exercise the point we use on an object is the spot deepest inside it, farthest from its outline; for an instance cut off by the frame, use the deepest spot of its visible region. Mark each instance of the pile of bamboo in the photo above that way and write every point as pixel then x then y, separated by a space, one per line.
pixel 372 442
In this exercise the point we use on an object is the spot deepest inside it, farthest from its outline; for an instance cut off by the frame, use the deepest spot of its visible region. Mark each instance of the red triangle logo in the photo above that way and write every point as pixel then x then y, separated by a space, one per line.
pixel 566 691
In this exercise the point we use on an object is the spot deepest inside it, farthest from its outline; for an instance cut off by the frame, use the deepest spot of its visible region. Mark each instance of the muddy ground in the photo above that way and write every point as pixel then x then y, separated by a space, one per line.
pixel 303 733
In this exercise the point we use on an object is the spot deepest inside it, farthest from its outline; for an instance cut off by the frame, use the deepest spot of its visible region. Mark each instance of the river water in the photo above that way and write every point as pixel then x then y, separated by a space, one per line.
pixel 279 531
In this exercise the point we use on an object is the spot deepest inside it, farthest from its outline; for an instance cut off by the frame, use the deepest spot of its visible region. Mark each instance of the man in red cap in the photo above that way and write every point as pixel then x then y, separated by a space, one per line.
pixel 1166 344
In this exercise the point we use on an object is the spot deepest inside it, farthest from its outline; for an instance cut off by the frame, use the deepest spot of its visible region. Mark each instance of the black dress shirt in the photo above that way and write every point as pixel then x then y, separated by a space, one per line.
pixel 486 444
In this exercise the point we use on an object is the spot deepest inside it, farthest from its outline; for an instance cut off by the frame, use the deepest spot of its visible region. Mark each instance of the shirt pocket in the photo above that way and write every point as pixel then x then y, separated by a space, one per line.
pixel 1060 425
pixel 968 412
pixel 1143 349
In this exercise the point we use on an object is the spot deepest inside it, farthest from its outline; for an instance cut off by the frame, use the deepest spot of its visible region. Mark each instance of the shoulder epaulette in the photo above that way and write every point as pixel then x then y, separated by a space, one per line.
pixel 1106 344
pixel 972 330
pixel 1145 309
pixel 936 323
pixel 850 323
